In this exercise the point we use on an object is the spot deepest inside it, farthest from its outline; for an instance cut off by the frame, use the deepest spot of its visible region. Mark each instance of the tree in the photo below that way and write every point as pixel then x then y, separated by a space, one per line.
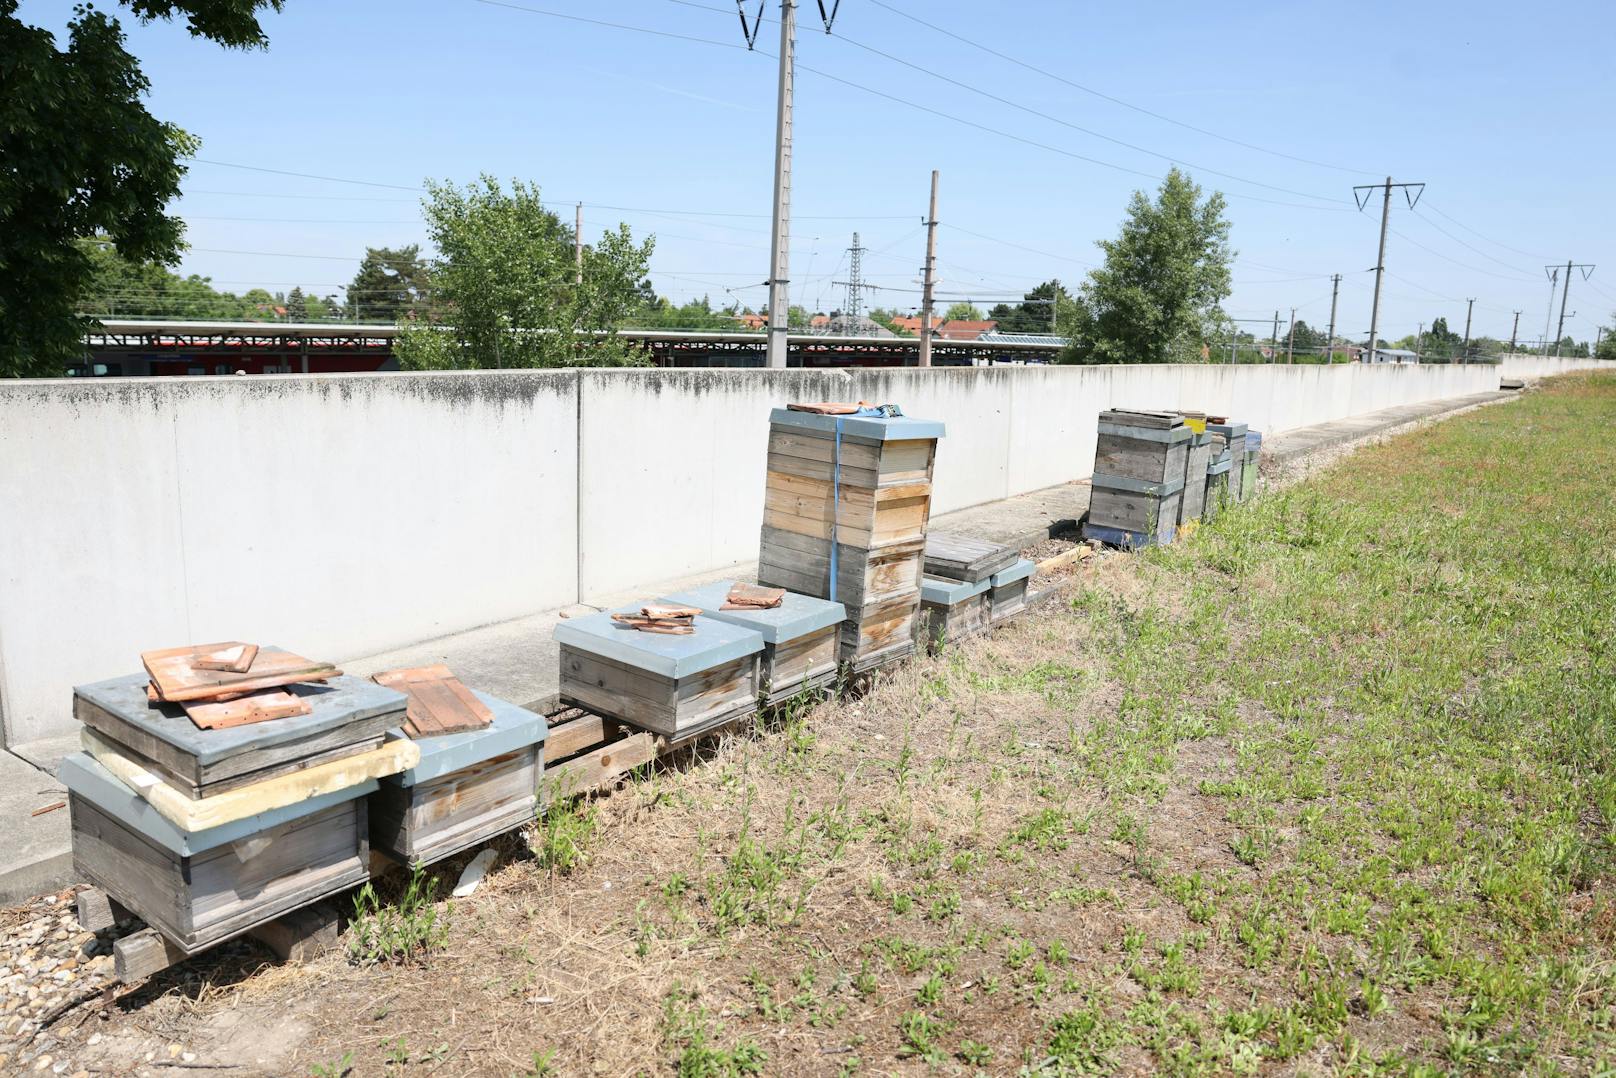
pixel 297 309
pixel 1607 343
pixel 1156 299
pixel 390 283
pixel 82 157
pixel 962 312
pixel 1036 311
pixel 506 280
pixel 662 313
pixel 888 318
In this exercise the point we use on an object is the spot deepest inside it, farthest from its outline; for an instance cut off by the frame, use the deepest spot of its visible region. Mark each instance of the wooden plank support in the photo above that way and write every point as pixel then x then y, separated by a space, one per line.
pixel 598 767
pixel 302 935
pixel 99 911
pixel 141 954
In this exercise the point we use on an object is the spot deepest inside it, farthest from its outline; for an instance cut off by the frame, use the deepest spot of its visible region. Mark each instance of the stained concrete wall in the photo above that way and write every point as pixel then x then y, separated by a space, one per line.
pixel 346 515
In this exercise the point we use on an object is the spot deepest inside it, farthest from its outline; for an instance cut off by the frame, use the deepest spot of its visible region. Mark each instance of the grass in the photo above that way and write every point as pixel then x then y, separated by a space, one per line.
pixel 1326 789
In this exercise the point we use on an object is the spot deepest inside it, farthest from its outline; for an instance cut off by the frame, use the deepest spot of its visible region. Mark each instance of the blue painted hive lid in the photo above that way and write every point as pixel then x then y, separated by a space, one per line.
pixel 864 427
pixel 1021 570
pixel 1228 430
pixel 513 728
pixel 945 592
pixel 83 776
pixel 337 702
pixel 1253 440
pixel 668 655
pixel 796 616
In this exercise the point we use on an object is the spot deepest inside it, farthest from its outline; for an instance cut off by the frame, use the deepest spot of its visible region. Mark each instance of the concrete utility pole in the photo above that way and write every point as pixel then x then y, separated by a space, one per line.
pixel 578 242
pixel 1548 315
pixel 929 275
pixel 1329 344
pixel 1587 271
pixel 1273 341
pixel 1515 331
pixel 1290 343
pixel 780 242
pixel 1464 352
pixel 1380 260
pixel 1419 339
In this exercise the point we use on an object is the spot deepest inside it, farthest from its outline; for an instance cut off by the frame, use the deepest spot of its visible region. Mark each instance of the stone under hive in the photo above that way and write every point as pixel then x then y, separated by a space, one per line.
pixel 207 834
pixel 1139 460
pixel 467 788
pixel 851 494
pixel 952 610
pixel 676 685
pixel 1007 595
pixel 800 637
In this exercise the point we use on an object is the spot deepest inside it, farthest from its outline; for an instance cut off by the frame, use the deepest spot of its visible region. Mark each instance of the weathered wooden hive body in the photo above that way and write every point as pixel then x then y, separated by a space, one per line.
pixel 1217 478
pixel 1007 595
pixel 467 788
pixel 1196 460
pixel 200 885
pixel 673 685
pixel 800 637
pixel 854 493
pixel 952 610
pixel 1139 462
pixel 1248 473
pixel 1235 434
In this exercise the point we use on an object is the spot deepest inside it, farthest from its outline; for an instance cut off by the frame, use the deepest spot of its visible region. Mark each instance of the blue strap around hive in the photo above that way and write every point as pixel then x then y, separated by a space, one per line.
pixel 835 504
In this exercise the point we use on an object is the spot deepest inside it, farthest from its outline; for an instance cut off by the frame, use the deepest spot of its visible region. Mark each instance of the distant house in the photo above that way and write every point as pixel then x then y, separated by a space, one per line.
pixel 752 321
pixel 906 323
pixel 960 329
pixel 1392 355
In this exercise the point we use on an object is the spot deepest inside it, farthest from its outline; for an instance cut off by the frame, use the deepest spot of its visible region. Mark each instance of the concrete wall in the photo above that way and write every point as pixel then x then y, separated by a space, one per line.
pixel 346 515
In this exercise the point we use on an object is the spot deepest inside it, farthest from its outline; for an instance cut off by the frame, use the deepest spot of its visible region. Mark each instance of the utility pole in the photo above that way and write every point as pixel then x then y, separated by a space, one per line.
pixel 780 240
pixel 1548 315
pixel 929 274
pixel 1290 343
pixel 1515 331
pixel 1380 260
pixel 1464 352
pixel 1587 272
pixel 578 242
pixel 1419 340
pixel 1273 341
pixel 1329 345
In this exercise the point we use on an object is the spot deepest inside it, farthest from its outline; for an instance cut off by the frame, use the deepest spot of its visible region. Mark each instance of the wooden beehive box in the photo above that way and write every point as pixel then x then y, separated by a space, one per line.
pixel 673 685
pixel 1139 462
pixel 952 610
pixel 800 637
pixel 1217 479
pixel 1235 433
pixel 349 715
pixel 467 788
pixel 1248 472
pixel 1007 594
pixel 855 491
pixel 201 888
pixel 1196 460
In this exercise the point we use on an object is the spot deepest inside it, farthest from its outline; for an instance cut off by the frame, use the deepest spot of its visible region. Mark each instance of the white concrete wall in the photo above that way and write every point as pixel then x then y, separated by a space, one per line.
pixel 348 515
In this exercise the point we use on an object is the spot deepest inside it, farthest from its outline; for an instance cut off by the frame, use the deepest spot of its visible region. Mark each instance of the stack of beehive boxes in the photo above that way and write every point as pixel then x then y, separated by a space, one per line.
pixel 852 493
pixel 1138 481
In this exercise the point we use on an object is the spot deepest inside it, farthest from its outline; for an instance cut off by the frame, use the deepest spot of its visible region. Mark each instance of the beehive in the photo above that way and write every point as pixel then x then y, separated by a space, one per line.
pixel 855 492
pixel 1196 460
pixel 674 685
pixel 199 888
pixel 1217 479
pixel 1248 473
pixel 952 610
pixel 800 637
pixel 467 788
pixel 1139 462
pixel 1007 595
pixel 1235 433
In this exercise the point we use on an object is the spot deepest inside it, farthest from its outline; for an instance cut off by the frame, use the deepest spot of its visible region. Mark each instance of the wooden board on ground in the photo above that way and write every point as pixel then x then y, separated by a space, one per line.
pixel 178 680
pixel 439 703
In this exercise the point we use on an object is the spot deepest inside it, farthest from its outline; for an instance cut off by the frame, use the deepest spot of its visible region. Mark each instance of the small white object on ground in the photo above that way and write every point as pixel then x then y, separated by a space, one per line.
pixel 474 873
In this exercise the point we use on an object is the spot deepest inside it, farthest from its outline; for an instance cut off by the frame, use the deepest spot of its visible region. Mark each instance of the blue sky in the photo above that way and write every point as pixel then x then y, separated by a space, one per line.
pixel 1503 110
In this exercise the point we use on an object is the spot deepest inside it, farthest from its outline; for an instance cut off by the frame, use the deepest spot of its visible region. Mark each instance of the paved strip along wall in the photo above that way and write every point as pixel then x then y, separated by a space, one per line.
pixel 345 515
